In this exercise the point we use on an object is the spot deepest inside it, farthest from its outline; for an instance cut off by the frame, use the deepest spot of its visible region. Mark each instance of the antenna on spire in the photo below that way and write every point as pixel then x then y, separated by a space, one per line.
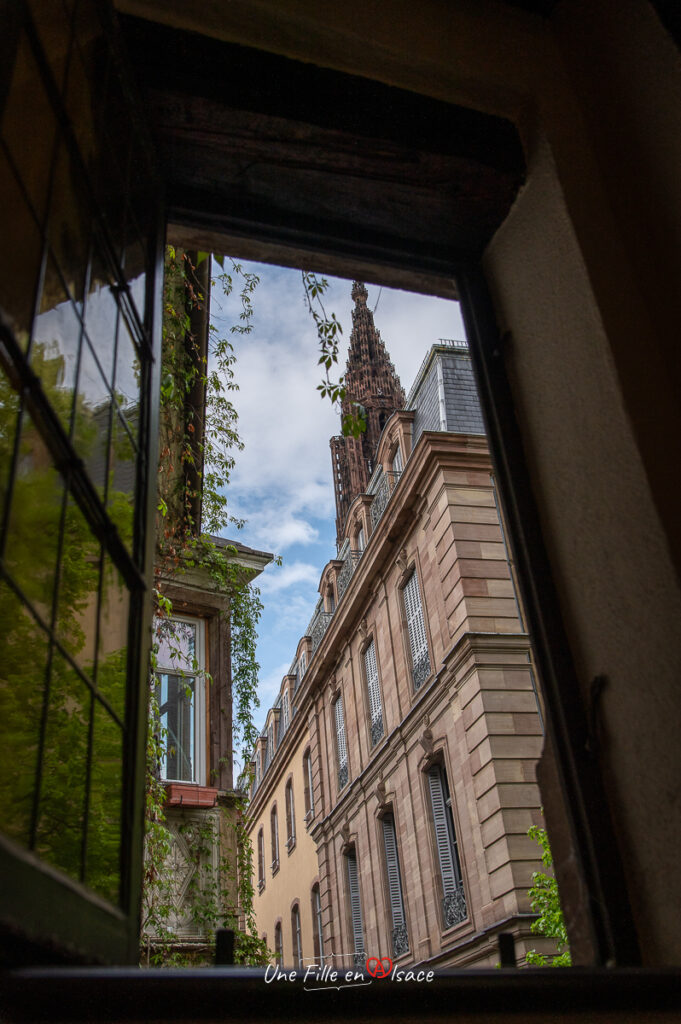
pixel 380 290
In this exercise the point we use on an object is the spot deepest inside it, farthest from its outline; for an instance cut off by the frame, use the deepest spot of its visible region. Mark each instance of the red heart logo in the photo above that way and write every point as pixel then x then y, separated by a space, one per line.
pixel 379 968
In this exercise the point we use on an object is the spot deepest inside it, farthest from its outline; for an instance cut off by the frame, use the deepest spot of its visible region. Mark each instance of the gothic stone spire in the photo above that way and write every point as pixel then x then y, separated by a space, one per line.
pixel 370 379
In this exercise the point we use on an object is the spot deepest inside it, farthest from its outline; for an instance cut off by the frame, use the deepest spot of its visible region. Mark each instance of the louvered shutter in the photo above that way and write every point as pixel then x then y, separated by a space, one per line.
pixel 375 708
pixel 443 839
pixel 310 790
pixel 261 856
pixel 393 871
pixel 355 905
pixel 341 745
pixel 285 710
pixel 416 629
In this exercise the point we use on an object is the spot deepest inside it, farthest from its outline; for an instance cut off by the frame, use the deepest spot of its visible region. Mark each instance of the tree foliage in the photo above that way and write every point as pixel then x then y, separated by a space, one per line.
pixel 545 901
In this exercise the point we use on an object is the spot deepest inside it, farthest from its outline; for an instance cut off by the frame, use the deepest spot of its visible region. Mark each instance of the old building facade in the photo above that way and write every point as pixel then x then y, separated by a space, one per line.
pixel 413 713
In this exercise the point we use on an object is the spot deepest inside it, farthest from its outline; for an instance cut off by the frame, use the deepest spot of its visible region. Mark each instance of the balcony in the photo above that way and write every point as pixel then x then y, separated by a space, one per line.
pixel 345 575
pixel 387 484
pixel 319 623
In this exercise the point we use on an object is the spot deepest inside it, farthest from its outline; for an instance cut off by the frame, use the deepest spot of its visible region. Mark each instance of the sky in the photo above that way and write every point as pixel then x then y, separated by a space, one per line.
pixel 282 483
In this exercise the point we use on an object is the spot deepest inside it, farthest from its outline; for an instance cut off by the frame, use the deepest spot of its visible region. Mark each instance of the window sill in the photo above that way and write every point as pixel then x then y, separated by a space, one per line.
pixel 291 845
pixel 275 867
pixel 189 794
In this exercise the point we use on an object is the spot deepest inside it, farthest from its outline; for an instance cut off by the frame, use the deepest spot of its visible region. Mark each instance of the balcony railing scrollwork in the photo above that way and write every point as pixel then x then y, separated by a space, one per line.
pixel 421 670
pixel 376 730
pixel 385 488
pixel 345 575
pixel 454 907
pixel 400 940
pixel 318 627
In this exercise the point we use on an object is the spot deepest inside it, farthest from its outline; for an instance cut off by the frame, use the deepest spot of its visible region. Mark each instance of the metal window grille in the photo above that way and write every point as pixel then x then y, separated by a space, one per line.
pixel 418 643
pixel 341 745
pixel 400 938
pixel 355 908
pixel 453 896
pixel 375 706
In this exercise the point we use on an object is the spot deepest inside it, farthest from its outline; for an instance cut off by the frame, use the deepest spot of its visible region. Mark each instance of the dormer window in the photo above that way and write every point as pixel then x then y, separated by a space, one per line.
pixel 360 540
pixel 396 465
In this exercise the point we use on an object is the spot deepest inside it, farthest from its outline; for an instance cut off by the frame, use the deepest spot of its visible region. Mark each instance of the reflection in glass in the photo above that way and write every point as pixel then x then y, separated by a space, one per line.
pixel 112 651
pixel 29 137
pixel 53 26
pixel 54 348
pixel 122 472
pixel 101 314
pixel 20 255
pixel 175 696
pixel 64 769
pixel 9 409
pixel 22 682
pixel 127 370
pixel 70 221
pixel 175 689
pixel 76 622
pixel 102 868
pixel 92 419
pixel 35 516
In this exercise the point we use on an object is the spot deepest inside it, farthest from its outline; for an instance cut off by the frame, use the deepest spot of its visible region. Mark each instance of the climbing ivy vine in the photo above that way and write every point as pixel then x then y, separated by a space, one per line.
pixel 197 445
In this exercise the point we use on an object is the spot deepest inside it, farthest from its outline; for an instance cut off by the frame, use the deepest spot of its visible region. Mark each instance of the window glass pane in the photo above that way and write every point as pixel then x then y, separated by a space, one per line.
pixel 9 409
pixel 175 695
pixel 54 348
pixel 176 645
pixel 20 255
pixel 35 517
pixel 101 314
pixel 64 769
pixel 70 223
pixel 127 383
pixel 30 140
pixel 76 621
pixel 92 422
pixel 53 25
pixel 121 487
pixel 24 648
pixel 112 653
pixel 102 869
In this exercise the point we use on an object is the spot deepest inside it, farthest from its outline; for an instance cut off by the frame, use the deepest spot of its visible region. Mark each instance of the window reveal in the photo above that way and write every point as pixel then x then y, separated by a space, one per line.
pixel 453 895
pixel 400 937
pixel 373 688
pixel 180 693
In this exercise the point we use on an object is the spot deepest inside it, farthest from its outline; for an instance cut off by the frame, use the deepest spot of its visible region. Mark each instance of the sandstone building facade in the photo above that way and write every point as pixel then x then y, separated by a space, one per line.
pixel 407 731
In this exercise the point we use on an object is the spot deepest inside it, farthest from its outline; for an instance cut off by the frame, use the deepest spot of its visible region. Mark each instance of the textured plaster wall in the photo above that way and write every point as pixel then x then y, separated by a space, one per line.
pixel 620 597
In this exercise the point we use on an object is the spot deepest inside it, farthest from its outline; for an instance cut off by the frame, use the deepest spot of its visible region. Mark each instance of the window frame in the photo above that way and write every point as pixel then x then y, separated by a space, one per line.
pixel 296 934
pixel 372 681
pixel 308 788
pixel 342 763
pixel 456 889
pixel 290 815
pixel 274 838
pixel 200 703
pixel 417 667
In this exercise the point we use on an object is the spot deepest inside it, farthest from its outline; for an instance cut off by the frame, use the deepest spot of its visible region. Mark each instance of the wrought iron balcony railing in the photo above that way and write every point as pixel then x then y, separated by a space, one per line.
pixel 400 940
pixel 385 488
pixel 318 627
pixel 345 575
pixel 454 907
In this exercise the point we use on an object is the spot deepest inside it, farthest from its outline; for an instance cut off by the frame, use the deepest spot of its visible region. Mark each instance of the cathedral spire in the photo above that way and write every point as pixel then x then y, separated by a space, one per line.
pixel 371 381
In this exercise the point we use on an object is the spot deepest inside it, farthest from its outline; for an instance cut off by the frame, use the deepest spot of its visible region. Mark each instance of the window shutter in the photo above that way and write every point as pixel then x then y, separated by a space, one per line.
pixel 418 644
pixel 341 745
pixel 285 711
pixel 309 791
pixel 454 903
pixel 355 906
pixel 375 708
pixel 400 939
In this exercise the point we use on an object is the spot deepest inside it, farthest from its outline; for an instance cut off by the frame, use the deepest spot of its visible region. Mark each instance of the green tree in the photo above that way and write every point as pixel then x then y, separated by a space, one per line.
pixel 545 901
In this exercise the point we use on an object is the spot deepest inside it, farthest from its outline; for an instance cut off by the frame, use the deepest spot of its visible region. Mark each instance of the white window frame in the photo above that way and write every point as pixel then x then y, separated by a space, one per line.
pixel 416 628
pixel 199 697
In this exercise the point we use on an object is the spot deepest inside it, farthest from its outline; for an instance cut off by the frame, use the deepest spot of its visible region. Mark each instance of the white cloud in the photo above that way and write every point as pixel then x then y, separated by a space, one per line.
pixel 278 578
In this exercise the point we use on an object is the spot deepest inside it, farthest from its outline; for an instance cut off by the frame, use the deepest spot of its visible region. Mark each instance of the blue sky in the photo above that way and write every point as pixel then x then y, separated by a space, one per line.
pixel 282 481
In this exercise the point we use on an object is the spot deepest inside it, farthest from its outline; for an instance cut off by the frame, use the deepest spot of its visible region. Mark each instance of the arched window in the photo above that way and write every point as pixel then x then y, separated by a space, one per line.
pixel 309 790
pixel 261 860
pixel 278 944
pixel 274 826
pixel 290 817
pixel 296 936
